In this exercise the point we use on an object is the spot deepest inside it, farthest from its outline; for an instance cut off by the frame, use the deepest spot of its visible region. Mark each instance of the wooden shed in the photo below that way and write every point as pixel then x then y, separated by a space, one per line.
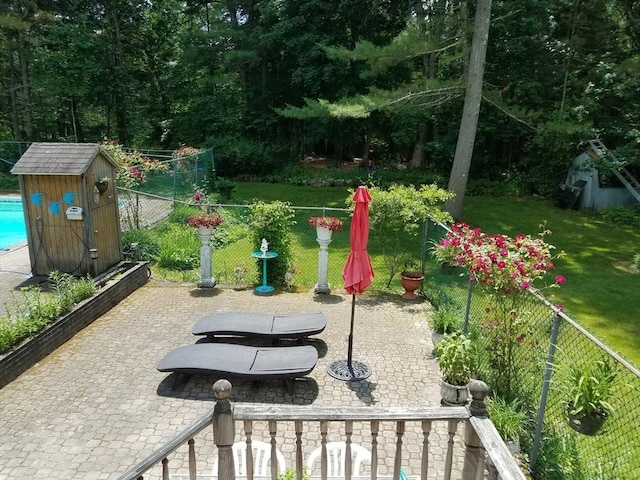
pixel 70 207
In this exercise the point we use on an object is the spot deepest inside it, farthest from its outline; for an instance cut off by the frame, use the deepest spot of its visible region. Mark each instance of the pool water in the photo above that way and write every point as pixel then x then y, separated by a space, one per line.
pixel 12 227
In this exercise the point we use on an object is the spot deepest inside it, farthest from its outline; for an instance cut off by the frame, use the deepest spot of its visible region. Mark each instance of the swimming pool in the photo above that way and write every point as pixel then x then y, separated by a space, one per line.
pixel 12 227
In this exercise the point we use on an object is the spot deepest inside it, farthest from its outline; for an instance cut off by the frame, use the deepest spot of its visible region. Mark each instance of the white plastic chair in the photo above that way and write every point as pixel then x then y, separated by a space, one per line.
pixel 261 459
pixel 336 461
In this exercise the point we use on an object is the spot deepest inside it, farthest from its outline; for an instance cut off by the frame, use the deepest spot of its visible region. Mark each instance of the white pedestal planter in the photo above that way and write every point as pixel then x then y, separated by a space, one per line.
pixel 324 239
pixel 206 265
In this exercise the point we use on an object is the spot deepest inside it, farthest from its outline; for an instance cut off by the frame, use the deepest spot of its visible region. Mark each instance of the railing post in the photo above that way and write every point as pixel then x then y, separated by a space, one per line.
pixel 473 456
pixel 224 429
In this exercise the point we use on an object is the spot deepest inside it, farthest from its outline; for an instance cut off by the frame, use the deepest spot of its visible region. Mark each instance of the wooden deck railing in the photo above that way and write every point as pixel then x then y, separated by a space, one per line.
pixel 302 428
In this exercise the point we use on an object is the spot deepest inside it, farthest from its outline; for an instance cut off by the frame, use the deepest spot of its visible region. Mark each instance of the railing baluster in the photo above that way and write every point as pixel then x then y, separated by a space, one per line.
pixel 248 432
pixel 453 426
pixel 273 429
pixel 224 430
pixel 397 464
pixel 299 460
pixel 348 458
pixel 192 459
pixel 424 465
pixel 375 428
pixel 165 468
pixel 324 426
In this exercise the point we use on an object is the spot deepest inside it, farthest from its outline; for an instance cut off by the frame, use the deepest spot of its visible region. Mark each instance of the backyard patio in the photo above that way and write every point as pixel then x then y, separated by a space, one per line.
pixel 97 405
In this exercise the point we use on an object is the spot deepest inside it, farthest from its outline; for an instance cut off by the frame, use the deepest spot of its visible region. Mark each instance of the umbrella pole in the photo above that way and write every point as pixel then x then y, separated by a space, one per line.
pixel 350 345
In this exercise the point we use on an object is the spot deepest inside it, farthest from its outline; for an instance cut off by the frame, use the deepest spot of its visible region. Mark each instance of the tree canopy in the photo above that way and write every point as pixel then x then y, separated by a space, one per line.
pixel 267 82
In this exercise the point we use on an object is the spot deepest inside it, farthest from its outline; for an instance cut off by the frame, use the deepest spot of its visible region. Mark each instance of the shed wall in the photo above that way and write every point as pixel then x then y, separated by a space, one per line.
pixel 58 243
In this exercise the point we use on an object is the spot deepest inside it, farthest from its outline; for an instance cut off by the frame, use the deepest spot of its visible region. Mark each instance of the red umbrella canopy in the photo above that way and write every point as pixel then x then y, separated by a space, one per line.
pixel 358 272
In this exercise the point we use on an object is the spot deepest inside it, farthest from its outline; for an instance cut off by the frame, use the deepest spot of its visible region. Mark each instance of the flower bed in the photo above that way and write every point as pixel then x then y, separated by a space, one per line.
pixel 131 277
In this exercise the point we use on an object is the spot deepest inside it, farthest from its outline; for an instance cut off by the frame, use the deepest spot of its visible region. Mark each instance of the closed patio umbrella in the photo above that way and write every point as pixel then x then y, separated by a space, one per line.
pixel 357 275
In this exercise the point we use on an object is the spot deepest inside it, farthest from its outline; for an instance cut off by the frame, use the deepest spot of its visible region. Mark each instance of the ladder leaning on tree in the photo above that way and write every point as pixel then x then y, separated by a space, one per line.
pixel 628 180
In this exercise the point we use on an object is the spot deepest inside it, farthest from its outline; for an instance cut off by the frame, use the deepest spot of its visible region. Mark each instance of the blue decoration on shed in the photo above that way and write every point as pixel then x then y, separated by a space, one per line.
pixel 69 197
pixel 36 198
pixel 54 208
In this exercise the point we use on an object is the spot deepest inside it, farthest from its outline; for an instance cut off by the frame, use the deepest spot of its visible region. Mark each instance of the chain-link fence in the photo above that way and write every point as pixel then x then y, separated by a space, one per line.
pixel 515 358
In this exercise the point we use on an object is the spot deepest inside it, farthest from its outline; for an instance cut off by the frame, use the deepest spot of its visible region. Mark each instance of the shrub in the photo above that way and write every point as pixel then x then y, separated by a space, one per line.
pixel 400 212
pixel 181 214
pixel 179 249
pixel 273 222
pixel 621 216
pixel 148 245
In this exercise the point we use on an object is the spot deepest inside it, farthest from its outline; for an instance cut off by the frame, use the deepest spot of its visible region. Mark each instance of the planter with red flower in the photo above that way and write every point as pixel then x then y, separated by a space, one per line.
pixel 325 226
pixel 206 223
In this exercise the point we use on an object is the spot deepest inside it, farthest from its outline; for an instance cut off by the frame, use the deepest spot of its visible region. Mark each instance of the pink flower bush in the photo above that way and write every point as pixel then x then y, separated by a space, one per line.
pixel 498 262
pixel 505 268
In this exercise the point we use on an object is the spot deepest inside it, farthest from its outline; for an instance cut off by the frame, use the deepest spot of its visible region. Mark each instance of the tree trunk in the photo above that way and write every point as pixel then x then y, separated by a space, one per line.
pixel 26 90
pixel 471 109
pixel 418 159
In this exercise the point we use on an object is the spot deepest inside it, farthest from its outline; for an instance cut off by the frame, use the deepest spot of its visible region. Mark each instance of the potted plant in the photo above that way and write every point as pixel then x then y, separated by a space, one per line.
pixel 588 390
pixel 447 253
pixel 102 184
pixel 509 418
pixel 204 222
pixel 410 279
pixel 325 226
pixel 455 358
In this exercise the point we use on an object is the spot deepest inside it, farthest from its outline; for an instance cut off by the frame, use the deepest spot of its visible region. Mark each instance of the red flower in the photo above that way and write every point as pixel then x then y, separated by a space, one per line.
pixel 205 220
pixel 332 223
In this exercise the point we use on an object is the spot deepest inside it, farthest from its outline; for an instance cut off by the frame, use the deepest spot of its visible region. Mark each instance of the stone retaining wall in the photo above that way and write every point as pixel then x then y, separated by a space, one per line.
pixel 18 360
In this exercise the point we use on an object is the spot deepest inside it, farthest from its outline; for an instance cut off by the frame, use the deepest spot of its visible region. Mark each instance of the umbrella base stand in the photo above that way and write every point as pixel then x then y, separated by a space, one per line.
pixel 340 369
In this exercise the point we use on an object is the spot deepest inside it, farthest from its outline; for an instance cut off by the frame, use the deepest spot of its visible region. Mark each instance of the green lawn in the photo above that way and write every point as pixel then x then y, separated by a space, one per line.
pixel 599 293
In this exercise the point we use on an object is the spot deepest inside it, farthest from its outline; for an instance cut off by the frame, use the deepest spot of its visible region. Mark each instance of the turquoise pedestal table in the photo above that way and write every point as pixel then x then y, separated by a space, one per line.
pixel 264 288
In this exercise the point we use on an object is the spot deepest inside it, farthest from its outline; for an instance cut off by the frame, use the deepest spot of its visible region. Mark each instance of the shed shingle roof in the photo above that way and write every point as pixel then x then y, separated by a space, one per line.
pixel 57 159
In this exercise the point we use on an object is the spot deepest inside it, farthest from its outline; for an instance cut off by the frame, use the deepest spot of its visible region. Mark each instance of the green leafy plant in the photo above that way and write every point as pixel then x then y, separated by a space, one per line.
pixel 455 358
pixel 36 309
pixel 446 320
pixel 179 249
pixel 148 246
pixel 273 222
pixel 509 417
pixel 396 217
pixel 588 388
pixel 290 474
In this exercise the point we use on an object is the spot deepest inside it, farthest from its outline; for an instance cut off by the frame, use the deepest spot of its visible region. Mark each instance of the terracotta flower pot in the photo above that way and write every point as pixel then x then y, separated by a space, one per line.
pixel 410 281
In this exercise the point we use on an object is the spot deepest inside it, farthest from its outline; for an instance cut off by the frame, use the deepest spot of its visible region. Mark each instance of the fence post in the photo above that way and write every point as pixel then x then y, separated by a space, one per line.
pixel 465 328
pixel 545 391
pixel 224 431
pixel 473 454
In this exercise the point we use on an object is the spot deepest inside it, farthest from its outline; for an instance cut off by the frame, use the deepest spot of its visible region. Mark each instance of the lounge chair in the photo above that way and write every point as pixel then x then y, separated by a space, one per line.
pixel 241 361
pixel 296 326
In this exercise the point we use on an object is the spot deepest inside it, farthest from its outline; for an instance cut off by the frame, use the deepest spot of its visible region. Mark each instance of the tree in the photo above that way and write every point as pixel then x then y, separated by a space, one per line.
pixel 471 109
